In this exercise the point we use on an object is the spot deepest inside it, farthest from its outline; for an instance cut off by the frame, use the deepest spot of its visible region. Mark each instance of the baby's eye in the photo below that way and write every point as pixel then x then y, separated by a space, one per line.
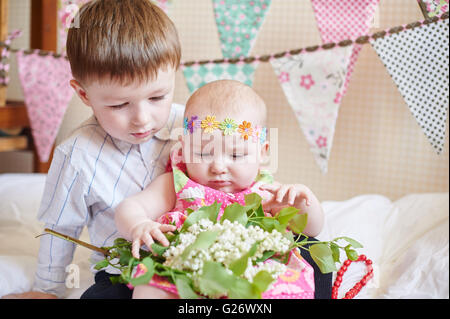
pixel 236 156
pixel 202 154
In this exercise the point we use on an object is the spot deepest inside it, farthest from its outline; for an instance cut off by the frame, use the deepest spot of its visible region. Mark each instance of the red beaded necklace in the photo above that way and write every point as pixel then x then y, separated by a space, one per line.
pixel 358 286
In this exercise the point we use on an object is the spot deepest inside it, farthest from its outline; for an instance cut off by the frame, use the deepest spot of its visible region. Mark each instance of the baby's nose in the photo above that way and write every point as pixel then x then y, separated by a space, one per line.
pixel 218 167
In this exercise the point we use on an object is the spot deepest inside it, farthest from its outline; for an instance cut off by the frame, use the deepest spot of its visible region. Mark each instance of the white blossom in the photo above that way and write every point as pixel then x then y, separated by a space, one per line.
pixel 232 242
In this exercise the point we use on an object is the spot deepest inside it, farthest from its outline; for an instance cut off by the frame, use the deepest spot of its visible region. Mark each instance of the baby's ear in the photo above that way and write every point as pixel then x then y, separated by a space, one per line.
pixel 264 155
pixel 81 92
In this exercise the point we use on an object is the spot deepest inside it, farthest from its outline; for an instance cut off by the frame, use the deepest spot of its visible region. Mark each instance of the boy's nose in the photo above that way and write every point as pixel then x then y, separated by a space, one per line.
pixel 141 114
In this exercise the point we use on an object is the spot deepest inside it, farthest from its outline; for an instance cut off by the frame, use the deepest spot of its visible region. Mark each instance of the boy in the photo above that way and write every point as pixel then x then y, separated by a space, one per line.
pixel 123 57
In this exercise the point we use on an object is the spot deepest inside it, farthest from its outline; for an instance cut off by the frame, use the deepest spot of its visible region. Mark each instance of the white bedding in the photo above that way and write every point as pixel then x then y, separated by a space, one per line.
pixel 407 240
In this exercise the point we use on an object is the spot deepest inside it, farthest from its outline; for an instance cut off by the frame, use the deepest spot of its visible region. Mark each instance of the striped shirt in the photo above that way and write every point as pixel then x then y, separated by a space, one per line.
pixel 90 174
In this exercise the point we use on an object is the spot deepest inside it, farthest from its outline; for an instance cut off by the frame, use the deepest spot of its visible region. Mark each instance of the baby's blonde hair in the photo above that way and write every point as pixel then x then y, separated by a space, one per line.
pixel 224 98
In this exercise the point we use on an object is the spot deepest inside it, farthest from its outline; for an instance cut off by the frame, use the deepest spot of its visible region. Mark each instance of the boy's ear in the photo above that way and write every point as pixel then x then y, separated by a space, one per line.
pixel 81 92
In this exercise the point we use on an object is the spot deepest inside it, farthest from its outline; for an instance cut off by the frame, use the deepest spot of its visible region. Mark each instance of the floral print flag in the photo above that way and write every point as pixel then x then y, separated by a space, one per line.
pixel 343 20
pixel 313 83
pixel 198 74
pixel 238 23
pixel 47 93
pixel 418 62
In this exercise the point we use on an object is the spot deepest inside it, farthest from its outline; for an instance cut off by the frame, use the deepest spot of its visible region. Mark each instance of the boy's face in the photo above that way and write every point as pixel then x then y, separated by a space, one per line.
pixel 132 113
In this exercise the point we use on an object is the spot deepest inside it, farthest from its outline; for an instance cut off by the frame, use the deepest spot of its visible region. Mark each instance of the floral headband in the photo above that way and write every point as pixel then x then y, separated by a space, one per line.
pixel 227 126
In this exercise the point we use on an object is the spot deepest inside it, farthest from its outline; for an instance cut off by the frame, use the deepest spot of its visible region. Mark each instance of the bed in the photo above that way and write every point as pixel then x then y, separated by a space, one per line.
pixel 406 239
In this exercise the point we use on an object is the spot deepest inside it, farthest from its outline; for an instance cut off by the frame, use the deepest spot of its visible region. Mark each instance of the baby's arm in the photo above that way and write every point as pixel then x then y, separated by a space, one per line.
pixel 135 216
pixel 299 196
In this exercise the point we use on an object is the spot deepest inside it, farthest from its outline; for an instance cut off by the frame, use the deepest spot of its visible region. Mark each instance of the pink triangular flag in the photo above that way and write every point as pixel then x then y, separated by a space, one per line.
pixel 47 93
pixel 342 20
pixel 313 83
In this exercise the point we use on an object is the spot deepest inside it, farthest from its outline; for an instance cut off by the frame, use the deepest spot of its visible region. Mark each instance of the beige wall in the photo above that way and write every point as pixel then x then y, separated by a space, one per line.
pixel 378 146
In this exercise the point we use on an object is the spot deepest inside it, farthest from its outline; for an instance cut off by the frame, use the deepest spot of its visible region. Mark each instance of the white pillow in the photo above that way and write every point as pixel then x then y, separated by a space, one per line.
pixel 16 274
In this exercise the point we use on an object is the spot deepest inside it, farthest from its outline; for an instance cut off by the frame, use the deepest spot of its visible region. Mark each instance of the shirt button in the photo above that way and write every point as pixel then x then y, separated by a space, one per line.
pixel 152 162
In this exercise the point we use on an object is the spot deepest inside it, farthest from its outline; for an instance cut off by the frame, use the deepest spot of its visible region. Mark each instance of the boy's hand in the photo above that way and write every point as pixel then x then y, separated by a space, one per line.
pixel 285 195
pixel 30 295
pixel 148 231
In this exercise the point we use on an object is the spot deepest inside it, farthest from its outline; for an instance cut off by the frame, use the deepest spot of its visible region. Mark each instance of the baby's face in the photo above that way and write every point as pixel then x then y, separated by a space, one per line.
pixel 226 163
pixel 132 113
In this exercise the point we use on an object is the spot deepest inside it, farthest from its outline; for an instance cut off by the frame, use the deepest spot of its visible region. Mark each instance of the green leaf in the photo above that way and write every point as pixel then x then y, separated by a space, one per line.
pixel 351 253
pixel 203 241
pixel 252 201
pixel 262 280
pixel 323 257
pixel 145 278
pixel 101 264
pixel 266 255
pixel 235 212
pixel 239 266
pixel 125 256
pixel 121 241
pixel 243 289
pixel 289 236
pixel 184 287
pixel 351 241
pixel 215 281
pixel 298 223
pixel 159 249
pixel 205 212
pixel 335 252
pixel 286 214
pixel 269 224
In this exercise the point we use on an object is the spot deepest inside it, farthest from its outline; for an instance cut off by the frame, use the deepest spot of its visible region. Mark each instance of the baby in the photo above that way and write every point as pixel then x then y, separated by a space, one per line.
pixel 219 158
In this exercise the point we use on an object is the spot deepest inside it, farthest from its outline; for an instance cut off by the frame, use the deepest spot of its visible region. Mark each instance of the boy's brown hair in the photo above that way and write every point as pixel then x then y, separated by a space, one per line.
pixel 121 40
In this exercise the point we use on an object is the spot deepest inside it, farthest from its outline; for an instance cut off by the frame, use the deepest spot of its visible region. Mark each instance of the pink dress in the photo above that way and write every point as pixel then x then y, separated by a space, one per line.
pixel 298 280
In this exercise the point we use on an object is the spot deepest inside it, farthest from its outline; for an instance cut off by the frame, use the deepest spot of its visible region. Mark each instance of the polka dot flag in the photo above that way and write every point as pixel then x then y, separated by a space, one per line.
pixel 418 62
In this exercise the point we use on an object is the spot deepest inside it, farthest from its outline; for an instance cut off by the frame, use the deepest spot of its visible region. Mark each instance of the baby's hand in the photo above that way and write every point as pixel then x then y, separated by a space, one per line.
pixel 296 194
pixel 148 231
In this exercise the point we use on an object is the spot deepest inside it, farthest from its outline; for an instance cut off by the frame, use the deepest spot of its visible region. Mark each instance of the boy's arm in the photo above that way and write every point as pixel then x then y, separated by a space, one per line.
pixel 63 208
pixel 156 199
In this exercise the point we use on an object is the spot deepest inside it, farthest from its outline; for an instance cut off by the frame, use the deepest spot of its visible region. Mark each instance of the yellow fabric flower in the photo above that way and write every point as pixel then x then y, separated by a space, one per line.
pixel 246 130
pixel 209 124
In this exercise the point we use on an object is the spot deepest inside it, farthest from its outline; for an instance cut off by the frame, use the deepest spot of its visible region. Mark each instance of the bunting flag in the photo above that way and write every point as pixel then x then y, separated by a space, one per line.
pixel 342 20
pixel 418 62
pixel 432 8
pixel 313 83
pixel 238 23
pixel 164 4
pixel 4 59
pixel 197 75
pixel 47 93
pixel 67 10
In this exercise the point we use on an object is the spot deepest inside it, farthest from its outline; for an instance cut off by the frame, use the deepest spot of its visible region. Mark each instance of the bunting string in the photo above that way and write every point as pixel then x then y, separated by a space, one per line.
pixel 365 39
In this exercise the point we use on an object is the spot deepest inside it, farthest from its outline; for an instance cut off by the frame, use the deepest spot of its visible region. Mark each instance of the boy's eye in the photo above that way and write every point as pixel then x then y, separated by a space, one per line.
pixel 119 106
pixel 157 98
